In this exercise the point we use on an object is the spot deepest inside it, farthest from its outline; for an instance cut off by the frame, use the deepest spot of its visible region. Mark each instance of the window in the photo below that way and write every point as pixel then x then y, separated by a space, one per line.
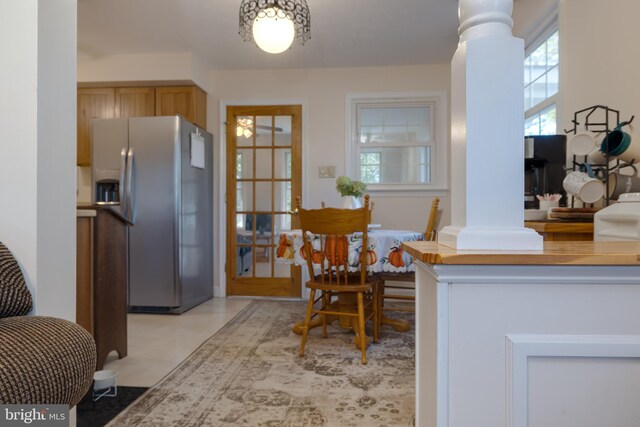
pixel 370 166
pixel 288 202
pixel 239 195
pixel 541 86
pixel 398 142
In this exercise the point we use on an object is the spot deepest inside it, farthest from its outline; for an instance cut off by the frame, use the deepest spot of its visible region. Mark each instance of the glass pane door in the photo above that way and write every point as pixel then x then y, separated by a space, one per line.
pixel 263 144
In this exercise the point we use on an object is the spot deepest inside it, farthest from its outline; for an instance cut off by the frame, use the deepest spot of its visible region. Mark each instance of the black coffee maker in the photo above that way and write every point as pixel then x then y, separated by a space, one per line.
pixel 544 168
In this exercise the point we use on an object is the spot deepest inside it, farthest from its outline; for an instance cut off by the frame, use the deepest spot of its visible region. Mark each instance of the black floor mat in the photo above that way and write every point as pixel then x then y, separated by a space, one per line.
pixel 106 408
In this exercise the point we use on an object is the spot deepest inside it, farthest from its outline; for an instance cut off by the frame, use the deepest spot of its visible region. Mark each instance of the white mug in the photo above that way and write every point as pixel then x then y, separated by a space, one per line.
pixel 582 186
pixel 583 143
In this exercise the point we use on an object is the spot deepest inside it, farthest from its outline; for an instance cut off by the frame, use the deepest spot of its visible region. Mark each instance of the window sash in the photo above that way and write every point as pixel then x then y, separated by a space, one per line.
pixel 437 171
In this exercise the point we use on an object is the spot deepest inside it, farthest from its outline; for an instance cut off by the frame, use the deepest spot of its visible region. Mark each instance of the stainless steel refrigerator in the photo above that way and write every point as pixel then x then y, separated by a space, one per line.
pixel 156 172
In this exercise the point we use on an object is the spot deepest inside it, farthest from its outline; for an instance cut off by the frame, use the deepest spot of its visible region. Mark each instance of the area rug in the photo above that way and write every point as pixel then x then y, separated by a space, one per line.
pixel 249 374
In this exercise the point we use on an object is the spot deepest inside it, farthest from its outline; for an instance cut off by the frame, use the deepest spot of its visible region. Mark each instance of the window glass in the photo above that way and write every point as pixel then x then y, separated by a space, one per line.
pixel 541 123
pixel 541 85
pixel 396 140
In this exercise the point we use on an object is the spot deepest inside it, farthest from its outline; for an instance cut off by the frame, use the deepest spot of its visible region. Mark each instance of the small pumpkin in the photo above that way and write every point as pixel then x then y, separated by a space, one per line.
pixel 342 249
pixel 284 248
pixel 395 257
pixel 372 257
pixel 317 257
pixel 330 249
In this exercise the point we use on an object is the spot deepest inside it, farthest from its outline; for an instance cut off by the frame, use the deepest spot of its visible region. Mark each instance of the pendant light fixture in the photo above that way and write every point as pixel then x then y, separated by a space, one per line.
pixel 274 24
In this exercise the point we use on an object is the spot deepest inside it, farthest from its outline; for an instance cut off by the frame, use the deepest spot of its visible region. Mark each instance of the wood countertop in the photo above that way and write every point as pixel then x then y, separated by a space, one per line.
pixel 560 226
pixel 554 253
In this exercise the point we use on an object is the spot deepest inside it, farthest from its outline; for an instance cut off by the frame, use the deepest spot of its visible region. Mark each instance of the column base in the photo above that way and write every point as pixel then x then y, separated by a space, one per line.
pixel 486 238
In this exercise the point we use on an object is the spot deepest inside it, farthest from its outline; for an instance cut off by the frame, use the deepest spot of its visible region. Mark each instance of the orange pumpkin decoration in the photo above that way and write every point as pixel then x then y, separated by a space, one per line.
pixel 317 257
pixel 395 257
pixel 336 249
pixel 283 246
pixel 303 252
pixel 372 258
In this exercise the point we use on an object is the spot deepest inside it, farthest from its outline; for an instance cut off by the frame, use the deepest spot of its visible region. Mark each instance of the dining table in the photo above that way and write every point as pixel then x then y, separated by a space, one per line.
pixel 384 253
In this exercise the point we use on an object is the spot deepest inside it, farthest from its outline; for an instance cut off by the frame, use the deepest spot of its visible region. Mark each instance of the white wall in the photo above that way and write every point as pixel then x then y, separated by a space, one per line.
pixel 38 149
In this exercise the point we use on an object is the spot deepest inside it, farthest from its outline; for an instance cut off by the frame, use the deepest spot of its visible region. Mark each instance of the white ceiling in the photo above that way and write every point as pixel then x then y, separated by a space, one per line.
pixel 344 33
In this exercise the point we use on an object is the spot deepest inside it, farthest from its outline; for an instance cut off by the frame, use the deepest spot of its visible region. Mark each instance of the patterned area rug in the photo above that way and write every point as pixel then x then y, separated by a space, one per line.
pixel 249 374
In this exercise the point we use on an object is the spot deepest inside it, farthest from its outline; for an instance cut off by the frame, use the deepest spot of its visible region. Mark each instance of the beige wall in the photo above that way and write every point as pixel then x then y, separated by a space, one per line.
pixel 323 94
pixel 600 54
pixel 142 67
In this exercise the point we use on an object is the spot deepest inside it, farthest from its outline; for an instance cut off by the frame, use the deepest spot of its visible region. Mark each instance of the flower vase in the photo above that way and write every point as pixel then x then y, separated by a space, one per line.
pixel 351 202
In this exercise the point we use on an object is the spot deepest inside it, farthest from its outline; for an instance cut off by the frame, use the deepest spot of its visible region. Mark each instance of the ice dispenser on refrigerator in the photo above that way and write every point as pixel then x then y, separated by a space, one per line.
pixel 107 183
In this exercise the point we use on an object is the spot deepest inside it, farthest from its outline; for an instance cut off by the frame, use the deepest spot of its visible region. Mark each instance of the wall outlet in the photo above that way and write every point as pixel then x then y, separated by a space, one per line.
pixel 326 171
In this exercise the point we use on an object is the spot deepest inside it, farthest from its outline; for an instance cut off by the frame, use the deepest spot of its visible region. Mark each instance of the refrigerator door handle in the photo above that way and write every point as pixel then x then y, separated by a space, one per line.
pixel 130 190
pixel 123 174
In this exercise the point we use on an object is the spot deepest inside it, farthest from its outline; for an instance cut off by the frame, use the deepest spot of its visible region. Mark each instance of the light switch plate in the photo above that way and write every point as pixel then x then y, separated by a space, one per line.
pixel 326 171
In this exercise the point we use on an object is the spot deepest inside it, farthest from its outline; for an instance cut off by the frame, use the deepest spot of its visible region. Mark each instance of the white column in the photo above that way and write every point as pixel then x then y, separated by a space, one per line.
pixel 487 133
pixel 38 147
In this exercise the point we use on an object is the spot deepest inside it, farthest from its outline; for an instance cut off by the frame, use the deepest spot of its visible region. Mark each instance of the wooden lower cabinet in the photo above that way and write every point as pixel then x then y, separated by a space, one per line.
pixel 102 285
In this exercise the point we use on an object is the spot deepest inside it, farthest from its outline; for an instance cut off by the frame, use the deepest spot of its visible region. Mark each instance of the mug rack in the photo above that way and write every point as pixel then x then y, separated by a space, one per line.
pixel 601 126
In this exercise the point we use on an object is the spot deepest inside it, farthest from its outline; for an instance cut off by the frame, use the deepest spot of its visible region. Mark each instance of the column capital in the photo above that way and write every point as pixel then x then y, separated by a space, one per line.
pixel 484 17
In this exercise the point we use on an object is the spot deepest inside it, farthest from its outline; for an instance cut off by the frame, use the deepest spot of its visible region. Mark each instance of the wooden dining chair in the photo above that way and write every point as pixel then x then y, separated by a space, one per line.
pixel 390 291
pixel 341 295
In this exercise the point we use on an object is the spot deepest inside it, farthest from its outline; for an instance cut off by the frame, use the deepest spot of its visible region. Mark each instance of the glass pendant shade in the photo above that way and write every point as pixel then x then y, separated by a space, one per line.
pixel 273 32
pixel 274 24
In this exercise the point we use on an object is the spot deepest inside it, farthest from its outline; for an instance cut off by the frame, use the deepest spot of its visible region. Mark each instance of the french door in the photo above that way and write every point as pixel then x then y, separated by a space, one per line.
pixel 263 178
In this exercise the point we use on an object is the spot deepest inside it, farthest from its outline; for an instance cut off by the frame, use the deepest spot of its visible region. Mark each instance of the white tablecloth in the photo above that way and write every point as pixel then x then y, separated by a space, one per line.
pixel 384 252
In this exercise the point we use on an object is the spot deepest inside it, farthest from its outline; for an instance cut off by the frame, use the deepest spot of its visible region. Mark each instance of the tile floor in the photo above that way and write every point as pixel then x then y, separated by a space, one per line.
pixel 157 343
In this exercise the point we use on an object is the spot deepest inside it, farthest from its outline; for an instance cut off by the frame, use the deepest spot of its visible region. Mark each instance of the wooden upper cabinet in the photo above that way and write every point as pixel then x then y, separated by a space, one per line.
pixel 106 102
pixel 188 101
pixel 135 101
pixel 92 103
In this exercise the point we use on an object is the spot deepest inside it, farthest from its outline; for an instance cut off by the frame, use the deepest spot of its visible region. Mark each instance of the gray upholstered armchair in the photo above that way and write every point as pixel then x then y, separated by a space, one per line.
pixel 43 360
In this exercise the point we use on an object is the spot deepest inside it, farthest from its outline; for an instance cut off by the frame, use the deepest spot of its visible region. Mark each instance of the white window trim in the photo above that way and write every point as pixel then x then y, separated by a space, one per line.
pixel 440 162
pixel 551 23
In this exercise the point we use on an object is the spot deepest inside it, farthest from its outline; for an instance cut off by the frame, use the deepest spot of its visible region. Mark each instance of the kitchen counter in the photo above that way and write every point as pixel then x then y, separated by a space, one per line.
pixel 554 253
pixel 85 212
pixel 516 338
pixel 101 279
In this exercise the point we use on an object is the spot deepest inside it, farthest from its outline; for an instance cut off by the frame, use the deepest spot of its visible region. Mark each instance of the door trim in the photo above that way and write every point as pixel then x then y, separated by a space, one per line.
pixel 220 207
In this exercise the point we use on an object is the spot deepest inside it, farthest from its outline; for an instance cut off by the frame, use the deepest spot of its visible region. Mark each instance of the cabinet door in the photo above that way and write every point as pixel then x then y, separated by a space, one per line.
pixel 92 103
pixel 135 101
pixel 188 101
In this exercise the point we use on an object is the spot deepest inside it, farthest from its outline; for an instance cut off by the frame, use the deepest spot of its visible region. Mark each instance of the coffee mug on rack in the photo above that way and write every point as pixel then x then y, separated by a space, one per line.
pixel 582 143
pixel 621 184
pixel 584 187
pixel 617 141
